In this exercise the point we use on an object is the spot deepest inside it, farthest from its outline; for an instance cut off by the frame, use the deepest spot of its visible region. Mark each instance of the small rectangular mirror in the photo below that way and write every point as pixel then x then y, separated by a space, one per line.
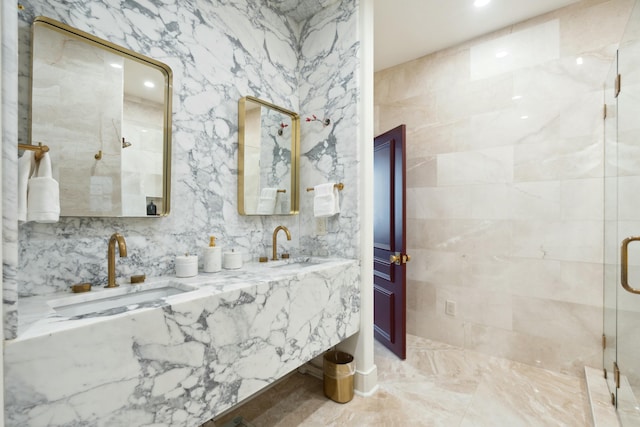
pixel 268 158
pixel 105 113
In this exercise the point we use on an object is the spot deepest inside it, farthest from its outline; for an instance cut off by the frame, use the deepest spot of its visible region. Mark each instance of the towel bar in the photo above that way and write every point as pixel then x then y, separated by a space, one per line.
pixel 39 149
pixel 339 186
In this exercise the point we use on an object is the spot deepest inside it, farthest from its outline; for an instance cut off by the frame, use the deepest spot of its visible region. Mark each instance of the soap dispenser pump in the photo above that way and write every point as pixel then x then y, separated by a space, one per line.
pixel 212 257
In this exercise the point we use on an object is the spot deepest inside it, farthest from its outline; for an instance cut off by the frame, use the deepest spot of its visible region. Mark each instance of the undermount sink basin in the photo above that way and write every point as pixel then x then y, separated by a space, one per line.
pixel 107 299
pixel 296 263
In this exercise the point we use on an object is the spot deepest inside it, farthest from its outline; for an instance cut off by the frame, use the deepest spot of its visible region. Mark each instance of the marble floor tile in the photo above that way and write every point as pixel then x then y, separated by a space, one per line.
pixel 437 385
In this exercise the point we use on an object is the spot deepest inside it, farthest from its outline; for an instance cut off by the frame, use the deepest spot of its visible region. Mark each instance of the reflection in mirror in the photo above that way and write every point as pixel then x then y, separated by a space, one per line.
pixel 268 164
pixel 105 113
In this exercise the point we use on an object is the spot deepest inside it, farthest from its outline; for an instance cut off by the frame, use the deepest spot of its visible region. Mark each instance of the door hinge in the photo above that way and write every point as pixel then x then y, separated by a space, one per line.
pixel 618 85
pixel 613 399
pixel 616 374
pixel 605 373
pixel 604 111
pixel 604 342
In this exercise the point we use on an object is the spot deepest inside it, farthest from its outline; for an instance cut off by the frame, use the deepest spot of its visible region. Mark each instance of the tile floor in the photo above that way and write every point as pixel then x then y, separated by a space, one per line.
pixel 438 385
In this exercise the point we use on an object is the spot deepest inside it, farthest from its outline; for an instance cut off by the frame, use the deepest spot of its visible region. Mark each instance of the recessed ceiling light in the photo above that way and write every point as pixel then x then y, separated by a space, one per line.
pixel 149 84
pixel 524 117
pixel 501 54
pixel 579 60
pixel 516 97
pixel 114 65
pixel 481 3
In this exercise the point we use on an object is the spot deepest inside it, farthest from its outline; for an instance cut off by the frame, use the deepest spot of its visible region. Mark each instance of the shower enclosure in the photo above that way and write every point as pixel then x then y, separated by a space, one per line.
pixel 621 339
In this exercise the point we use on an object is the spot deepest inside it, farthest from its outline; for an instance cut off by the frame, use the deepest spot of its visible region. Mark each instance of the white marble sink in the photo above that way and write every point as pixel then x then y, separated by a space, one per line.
pixel 297 263
pixel 107 299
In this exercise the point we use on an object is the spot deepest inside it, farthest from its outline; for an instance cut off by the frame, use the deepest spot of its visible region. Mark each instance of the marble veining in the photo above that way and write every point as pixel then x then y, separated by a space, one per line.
pixel 183 360
pixel 9 133
pixel 437 385
pixel 218 53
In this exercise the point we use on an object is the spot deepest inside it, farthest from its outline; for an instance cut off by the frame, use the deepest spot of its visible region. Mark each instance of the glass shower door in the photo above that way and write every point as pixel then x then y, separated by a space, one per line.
pixel 622 226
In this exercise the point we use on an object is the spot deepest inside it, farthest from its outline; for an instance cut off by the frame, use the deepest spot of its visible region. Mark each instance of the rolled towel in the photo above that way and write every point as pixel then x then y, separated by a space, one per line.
pixel 267 203
pixel 326 200
pixel 43 198
pixel 26 165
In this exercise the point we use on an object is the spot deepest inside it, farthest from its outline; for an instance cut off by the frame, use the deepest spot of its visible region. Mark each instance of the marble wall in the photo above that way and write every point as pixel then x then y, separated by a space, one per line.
pixel 218 53
pixel 505 188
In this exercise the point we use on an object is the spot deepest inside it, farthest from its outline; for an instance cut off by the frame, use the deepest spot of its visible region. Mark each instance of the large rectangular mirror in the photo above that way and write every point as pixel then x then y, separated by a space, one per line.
pixel 268 158
pixel 105 113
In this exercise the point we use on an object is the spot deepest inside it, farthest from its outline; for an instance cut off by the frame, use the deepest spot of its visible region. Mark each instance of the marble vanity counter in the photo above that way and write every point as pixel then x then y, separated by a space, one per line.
pixel 183 359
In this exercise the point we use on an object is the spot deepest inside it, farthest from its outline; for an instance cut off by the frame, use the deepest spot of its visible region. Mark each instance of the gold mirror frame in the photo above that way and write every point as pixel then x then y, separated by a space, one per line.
pixel 126 54
pixel 294 206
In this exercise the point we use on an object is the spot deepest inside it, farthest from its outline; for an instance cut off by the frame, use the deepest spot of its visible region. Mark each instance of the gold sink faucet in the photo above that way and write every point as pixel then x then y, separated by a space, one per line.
pixel 111 257
pixel 275 239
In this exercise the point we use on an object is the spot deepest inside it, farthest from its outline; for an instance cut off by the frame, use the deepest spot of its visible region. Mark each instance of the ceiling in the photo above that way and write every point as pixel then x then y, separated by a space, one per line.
pixel 409 29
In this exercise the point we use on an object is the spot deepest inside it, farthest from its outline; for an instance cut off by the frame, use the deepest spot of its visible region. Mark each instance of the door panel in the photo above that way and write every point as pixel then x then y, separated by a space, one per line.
pixel 389 240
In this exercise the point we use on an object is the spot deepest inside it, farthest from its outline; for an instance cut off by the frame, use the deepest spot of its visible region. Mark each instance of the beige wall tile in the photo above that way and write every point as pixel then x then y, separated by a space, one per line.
pixel 505 186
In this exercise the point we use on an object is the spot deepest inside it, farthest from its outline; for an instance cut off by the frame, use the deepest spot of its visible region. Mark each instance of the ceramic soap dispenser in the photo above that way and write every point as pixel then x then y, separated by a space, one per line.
pixel 212 257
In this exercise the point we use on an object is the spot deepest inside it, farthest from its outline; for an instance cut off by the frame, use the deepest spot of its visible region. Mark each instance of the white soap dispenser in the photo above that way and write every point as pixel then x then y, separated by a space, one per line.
pixel 212 257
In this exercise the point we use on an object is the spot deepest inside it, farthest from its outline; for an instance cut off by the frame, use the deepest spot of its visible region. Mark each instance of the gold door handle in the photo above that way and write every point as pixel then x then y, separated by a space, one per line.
pixel 624 264
pixel 399 258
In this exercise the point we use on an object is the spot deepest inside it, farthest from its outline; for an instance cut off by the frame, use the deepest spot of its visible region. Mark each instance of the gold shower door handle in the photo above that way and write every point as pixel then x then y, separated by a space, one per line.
pixel 624 264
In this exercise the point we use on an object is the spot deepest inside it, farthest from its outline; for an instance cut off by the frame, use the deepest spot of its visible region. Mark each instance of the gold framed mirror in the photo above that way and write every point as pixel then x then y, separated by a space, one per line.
pixel 268 158
pixel 104 111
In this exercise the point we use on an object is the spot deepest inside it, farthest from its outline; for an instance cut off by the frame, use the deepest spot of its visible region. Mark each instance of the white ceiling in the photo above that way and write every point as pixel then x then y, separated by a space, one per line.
pixel 409 29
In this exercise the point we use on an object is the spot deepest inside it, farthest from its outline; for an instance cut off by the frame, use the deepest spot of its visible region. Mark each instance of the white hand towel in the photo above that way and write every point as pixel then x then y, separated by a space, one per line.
pixel 26 165
pixel 267 203
pixel 43 198
pixel 326 200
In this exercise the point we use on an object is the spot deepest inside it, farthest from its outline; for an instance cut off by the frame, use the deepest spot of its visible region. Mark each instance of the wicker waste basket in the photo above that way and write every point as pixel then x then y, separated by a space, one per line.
pixel 339 368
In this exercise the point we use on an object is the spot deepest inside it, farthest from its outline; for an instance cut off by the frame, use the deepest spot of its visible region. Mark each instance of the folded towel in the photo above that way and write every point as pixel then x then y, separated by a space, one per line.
pixel 26 165
pixel 326 200
pixel 267 203
pixel 43 197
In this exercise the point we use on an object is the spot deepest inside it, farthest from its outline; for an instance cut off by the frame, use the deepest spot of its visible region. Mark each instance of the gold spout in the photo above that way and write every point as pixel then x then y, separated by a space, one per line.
pixel 111 257
pixel 275 239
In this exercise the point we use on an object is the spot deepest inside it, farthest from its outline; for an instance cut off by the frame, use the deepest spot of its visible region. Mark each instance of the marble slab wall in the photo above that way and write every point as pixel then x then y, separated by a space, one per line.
pixel 218 53
pixel 505 185
pixel 9 133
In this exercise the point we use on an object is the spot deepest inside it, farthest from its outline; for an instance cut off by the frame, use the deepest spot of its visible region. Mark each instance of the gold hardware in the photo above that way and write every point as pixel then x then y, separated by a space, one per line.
pixel 604 112
pixel 139 278
pixel 111 257
pixel 406 258
pixel 263 259
pixel 605 373
pixel 395 259
pixel 624 264
pixel 284 256
pixel 282 191
pixel 81 287
pixel 618 85
pixel 39 149
pixel 20 7
pixel 275 240
pixel 339 186
pixel 616 374
pixel 98 156
pixel 613 399
pixel 604 341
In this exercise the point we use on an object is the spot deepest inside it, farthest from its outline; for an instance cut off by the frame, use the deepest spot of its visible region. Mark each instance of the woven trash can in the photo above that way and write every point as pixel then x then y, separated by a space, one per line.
pixel 339 368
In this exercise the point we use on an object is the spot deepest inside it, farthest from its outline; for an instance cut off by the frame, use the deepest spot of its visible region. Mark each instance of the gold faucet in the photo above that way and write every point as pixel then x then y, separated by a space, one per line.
pixel 111 257
pixel 275 240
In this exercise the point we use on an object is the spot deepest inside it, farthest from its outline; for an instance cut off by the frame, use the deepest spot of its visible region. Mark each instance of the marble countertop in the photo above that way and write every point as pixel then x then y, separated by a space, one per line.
pixel 38 317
